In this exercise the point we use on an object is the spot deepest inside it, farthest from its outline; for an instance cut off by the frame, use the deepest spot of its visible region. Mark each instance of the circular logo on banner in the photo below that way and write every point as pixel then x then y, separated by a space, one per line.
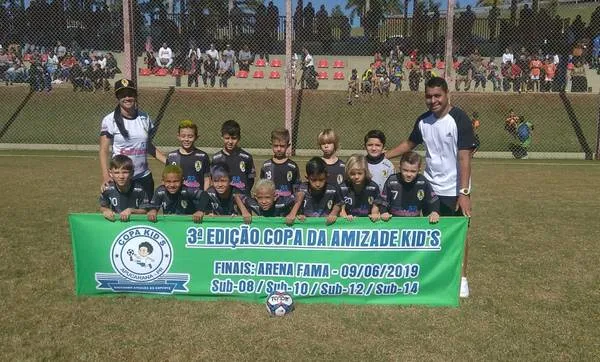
pixel 141 253
pixel 242 166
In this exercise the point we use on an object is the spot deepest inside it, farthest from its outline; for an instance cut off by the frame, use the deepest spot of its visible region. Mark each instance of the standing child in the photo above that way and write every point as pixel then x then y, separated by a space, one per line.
pixel 194 163
pixel 316 198
pixel 266 202
pixel 360 194
pixel 175 198
pixel 329 143
pixel 224 198
pixel 476 123
pixel 280 169
pixel 408 193
pixel 380 167
pixel 240 162
pixel 121 195
pixel 353 86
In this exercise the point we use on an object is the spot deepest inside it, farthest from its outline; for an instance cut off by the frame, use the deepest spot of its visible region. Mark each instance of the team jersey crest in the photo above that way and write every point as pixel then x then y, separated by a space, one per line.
pixel 420 194
pixel 289 176
pixel 242 166
pixel 198 166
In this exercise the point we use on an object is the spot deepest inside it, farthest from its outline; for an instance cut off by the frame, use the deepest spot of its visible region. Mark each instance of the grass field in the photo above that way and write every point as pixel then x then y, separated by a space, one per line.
pixel 533 275
pixel 74 118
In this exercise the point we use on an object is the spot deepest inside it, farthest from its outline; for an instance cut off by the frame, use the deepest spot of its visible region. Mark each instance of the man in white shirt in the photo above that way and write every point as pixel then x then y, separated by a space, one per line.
pixel 447 133
pixel 165 56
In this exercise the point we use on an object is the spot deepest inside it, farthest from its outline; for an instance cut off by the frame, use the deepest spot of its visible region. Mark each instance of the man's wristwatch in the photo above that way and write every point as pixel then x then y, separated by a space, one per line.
pixel 465 192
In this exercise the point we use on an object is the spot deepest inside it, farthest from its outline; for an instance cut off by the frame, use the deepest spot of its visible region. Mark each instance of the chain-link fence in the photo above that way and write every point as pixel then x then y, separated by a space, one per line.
pixel 539 61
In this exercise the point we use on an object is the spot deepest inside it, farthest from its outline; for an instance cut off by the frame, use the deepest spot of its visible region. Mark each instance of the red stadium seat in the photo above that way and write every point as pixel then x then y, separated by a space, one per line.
pixel 242 74
pixel 258 74
pixel 161 72
pixel 260 62
pixel 274 75
pixel 322 75
pixel 144 72
pixel 338 64
pixel 276 63
pixel 323 63
pixel 338 76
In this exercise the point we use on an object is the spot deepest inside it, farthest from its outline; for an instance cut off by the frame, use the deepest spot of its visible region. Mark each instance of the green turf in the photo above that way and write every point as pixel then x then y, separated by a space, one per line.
pixel 533 274
pixel 74 118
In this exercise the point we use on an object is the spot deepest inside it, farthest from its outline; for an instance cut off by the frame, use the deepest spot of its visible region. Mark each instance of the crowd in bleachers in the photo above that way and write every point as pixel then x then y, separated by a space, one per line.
pixel 42 67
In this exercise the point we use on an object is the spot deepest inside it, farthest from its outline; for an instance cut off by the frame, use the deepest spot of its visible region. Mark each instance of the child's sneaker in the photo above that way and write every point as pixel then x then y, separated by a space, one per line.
pixel 464 287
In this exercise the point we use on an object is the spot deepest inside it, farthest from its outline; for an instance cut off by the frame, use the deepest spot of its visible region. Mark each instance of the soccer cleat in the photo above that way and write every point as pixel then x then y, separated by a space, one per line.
pixel 464 287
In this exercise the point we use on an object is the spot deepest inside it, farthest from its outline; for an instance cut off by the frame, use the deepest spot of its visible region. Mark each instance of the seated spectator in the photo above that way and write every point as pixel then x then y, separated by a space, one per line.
pixel 480 76
pixel 98 78
pixel 67 62
pixel 508 56
pixel 493 74
pixel 245 58
pixel 380 74
pixel 16 73
pixel 52 64
pixel 111 66
pixel 463 74
pixel 210 71
pixel 150 61
pixel 5 64
pixel 535 70
pixel 193 69
pixel 77 77
pixel 578 78
pixel 39 77
pixel 60 50
pixel 397 75
pixel 366 86
pixel 165 56
pixel 549 71
pixel 225 70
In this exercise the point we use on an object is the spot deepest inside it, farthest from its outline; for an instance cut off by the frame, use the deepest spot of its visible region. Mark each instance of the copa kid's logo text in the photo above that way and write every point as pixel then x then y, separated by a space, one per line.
pixel 142 256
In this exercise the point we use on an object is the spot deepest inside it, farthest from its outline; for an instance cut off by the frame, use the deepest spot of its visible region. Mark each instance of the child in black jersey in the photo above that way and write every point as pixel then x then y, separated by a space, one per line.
pixel 280 169
pixel 316 198
pixel 240 162
pixel 175 198
pixel 194 162
pixel 361 195
pixel 408 193
pixel 224 198
pixel 266 202
pixel 121 196
pixel 329 143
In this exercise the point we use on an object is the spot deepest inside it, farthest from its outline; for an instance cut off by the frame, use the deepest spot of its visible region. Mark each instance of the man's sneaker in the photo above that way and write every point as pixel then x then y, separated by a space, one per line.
pixel 464 288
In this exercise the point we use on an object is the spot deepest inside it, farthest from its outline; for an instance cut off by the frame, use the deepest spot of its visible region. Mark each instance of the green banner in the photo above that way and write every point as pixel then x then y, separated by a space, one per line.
pixel 403 261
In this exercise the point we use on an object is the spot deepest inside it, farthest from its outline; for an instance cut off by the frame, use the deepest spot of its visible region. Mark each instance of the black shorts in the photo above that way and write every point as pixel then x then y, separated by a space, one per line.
pixel 147 183
pixel 448 205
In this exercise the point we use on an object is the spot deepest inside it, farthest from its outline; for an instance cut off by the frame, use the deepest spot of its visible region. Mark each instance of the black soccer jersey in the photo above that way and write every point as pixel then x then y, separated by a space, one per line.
pixel 220 206
pixel 315 205
pixel 186 201
pixel 281 208
pixel 409 199
pixel 286 176
pixel 118 201
pixel 241 166
pixel 335 172
pixel 195 166
pixel 360 203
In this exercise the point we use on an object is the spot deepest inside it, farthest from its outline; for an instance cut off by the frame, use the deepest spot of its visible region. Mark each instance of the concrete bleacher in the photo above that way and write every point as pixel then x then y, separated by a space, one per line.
pixel 350 62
